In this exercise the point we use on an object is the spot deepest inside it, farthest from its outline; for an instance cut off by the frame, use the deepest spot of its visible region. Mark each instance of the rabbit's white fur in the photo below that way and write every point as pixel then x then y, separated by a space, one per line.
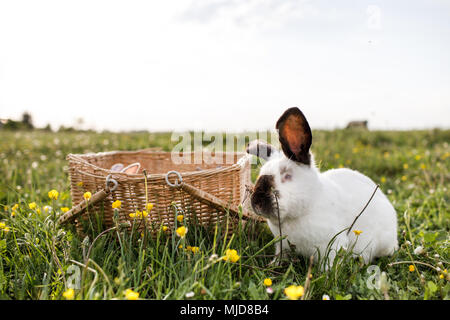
pixel 316 206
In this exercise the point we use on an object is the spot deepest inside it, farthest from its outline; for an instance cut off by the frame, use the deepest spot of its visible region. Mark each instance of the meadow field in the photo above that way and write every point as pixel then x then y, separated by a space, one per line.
pixel 39 258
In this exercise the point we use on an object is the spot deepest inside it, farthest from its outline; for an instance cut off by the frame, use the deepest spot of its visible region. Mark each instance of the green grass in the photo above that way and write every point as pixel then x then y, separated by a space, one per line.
pixel 38 258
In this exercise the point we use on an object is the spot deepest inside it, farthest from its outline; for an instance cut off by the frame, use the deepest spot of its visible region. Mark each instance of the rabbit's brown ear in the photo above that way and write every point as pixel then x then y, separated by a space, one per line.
pixel 295 135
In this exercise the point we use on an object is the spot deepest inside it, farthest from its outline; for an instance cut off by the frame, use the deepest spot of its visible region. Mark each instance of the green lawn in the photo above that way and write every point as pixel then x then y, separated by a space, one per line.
pixel 38 259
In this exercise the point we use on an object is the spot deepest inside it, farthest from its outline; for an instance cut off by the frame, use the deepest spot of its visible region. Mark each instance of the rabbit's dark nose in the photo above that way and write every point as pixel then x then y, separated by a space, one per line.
pixel 262 196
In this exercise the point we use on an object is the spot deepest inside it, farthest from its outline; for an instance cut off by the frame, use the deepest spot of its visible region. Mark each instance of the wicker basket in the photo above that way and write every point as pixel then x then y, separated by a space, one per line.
pixel 224 184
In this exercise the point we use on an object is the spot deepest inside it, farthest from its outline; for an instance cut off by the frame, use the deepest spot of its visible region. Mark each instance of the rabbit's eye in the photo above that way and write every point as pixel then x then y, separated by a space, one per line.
pixel 287 177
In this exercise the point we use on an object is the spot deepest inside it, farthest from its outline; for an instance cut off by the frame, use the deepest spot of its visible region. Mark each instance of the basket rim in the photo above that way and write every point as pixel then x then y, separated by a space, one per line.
pixel 83 158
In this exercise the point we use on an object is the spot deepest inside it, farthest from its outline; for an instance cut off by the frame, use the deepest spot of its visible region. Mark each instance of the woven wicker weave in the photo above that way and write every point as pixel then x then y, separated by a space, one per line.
pixel 226 181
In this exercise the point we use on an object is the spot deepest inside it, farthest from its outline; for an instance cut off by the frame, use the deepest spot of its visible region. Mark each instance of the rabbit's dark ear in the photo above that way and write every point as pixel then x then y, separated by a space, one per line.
pixel 295 135
pixel 261 149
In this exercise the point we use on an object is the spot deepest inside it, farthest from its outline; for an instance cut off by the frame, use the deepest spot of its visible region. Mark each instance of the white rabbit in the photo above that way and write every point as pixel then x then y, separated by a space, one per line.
pixel 314 207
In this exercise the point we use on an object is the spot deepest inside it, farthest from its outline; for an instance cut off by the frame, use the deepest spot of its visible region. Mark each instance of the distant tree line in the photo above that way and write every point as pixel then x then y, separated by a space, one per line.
pixel 26 123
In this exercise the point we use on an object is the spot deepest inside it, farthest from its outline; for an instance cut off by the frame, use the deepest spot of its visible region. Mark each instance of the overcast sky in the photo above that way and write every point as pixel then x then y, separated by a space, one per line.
pixel 225 65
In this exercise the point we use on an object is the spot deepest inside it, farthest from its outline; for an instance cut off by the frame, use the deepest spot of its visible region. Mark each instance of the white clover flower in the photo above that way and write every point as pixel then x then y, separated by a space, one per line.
pixel 419 250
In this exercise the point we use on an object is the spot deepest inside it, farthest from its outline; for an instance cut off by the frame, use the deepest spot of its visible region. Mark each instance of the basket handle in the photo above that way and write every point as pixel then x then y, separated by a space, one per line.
pixel 209 198
pixel 96 197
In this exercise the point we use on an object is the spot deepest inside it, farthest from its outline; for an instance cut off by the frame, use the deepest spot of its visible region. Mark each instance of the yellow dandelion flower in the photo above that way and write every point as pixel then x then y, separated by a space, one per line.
pixel 32 205
pixel 53 194
pixel 405 166
pixel 131 295
pixel 149 206
pixel 337 156
pixel 69 294
pixel 144 214
pixel 87 196
pixel 181 231
pixel 357 232
pixel 133 215
pixel 383 179
pixel 64 209
pixel 13 213
pixel 38 211
pixel 164 228
pixel 116 204
pixel 231 255
pixel 423 166
pixel 267 282
pixel 6 229
pixel 80 184
pixel 2 225
pixel 195 249
pixel 441 276
pixel 180 218
pixel 403 178
pixel 418 157
pixel 294 292
pixel 15 207
pixel 411 268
